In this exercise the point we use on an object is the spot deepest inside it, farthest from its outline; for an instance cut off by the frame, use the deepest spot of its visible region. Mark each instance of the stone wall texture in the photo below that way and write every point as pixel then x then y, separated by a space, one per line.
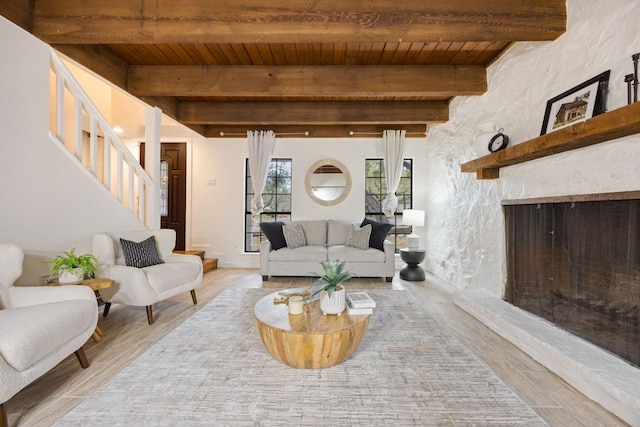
pixel 464 233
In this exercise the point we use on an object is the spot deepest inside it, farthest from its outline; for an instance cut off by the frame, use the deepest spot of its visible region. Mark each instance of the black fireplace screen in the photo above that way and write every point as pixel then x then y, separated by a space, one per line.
pixel 578 266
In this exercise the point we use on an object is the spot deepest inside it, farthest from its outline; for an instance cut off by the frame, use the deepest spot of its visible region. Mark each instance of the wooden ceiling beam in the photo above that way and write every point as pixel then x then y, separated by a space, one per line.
pixel 287 21
pixel 442 81
pixel 315 131
pixel 313 113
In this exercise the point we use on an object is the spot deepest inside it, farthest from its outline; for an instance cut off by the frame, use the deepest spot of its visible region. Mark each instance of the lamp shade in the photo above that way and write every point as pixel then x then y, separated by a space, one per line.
pixel 413 217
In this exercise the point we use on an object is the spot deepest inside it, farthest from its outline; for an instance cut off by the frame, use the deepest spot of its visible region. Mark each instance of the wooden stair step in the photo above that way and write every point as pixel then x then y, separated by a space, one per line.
pixel 209 264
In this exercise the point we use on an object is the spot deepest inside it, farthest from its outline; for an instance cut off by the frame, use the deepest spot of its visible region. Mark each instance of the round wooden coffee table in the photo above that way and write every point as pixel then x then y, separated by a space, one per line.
pixel 309 340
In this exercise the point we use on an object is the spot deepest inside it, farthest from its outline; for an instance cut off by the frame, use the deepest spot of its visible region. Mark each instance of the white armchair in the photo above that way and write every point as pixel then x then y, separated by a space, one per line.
pixel 145 286
pixel 39 326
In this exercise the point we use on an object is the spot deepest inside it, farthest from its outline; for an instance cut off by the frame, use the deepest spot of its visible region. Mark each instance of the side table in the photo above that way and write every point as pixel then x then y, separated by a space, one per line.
pixel 412 271
pixel 94 284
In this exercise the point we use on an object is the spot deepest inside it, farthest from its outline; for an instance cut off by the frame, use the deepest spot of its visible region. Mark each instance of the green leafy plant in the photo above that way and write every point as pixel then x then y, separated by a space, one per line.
pixel 70 260
pixel 334 274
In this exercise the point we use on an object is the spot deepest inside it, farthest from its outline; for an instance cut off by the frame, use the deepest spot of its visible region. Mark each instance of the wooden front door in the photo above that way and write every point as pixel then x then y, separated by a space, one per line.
pixel 173 172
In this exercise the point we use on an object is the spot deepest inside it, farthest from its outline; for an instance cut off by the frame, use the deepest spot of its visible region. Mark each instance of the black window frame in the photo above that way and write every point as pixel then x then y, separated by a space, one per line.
pixel 398 233
pixel 251 223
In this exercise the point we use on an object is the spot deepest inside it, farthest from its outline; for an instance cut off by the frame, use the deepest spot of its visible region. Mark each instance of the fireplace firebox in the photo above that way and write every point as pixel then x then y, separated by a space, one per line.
pixel 577 264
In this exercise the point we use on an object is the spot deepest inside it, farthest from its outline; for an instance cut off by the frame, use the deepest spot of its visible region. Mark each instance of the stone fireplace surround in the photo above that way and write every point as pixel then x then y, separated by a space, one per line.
pixel 600 375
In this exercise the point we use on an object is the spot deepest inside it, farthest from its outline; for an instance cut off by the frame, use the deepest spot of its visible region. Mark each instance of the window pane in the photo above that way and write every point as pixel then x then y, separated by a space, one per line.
pixel 376 191
pixel 277 202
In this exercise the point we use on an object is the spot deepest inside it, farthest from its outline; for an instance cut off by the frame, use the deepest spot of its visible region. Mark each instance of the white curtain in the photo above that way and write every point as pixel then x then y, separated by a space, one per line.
pixel 261 144
pixel 393 141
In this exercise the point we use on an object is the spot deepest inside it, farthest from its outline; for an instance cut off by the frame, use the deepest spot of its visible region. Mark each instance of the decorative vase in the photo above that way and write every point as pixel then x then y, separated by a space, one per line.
pixel 334 304
pixel 71 276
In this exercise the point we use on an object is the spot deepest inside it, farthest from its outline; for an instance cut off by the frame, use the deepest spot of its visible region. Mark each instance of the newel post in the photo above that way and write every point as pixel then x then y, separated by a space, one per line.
pixel 153 118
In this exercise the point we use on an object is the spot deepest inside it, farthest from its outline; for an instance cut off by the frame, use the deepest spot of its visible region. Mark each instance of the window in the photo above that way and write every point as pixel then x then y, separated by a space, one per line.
pixel 375 192
pixel 277 201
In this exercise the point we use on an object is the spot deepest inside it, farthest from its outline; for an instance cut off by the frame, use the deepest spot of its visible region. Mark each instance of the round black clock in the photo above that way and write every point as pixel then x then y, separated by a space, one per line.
pixel 498 142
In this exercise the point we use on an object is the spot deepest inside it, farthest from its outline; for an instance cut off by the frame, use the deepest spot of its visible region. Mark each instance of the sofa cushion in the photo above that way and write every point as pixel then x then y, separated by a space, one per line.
pixel 337 232
pixel 164 277
pixel 273 231
pixel 50 327
pixel 140 254
pixel 350 254
pixel 359 236
pixel 294 236
pixel 309 253
pixel 315 232
pixel 379 231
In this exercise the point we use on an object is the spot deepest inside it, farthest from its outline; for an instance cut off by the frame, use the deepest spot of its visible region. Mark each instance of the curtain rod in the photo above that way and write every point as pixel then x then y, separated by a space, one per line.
pixel 305 133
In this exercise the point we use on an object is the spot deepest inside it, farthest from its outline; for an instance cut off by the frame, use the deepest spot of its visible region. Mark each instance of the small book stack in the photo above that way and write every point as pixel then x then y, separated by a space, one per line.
pixel 360 303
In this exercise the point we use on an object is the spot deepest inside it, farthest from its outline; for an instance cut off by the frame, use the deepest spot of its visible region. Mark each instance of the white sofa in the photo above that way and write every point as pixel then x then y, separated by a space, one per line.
pixel 145 286
pixel 39 326
pixel 326 239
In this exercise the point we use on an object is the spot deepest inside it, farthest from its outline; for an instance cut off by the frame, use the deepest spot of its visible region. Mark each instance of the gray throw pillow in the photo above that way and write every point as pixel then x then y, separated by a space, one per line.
pixel 142 254
pixel 294 236
pixel 359 236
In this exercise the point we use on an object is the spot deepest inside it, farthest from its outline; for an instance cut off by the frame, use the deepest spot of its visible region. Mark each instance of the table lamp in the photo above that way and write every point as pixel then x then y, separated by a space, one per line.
pixel 414 218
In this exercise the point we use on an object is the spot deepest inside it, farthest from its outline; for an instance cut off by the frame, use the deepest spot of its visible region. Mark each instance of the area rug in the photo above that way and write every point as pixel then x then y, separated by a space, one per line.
pixel 214 370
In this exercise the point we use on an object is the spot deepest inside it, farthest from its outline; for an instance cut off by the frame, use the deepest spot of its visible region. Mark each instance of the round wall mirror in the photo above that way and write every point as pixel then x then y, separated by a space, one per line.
pixel 328 182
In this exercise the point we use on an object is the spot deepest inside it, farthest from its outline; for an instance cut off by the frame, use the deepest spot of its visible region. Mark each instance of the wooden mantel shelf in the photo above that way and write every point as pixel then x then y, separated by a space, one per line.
pixel 604 127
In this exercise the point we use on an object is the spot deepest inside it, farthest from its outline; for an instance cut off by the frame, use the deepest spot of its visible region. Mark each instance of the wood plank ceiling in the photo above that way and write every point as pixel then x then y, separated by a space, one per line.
pixel 328 67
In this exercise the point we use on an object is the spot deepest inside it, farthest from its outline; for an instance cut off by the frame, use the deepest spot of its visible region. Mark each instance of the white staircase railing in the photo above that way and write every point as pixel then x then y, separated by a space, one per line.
pixel 78 125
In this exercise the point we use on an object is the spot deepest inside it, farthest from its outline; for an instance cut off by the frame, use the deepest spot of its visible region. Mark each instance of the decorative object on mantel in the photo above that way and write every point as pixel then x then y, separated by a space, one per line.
pixel 632 80
pixel 72 268
pixel 498 142
pixel 578 104
pixel 332 293
pixel 414 218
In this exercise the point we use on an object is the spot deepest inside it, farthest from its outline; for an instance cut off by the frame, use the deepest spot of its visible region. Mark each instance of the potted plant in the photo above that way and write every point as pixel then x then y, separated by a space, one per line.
pixel 72 268
pixel 332 293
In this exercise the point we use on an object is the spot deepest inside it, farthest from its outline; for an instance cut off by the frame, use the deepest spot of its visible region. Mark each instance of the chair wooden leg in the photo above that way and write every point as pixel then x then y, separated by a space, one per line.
pixel 4 417
pixel 107 306
pixel 150 315
pixel 82 358
pixel 193 297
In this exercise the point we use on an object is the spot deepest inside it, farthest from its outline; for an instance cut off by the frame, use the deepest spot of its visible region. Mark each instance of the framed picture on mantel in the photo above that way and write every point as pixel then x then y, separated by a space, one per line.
pixel 576 105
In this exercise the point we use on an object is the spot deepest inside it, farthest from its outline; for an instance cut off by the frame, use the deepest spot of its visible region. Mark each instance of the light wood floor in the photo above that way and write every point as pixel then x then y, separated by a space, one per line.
pixel 127 335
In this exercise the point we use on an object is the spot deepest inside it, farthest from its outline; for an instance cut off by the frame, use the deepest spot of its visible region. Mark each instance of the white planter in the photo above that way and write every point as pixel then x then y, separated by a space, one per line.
pixel 71 276
pixel 334 304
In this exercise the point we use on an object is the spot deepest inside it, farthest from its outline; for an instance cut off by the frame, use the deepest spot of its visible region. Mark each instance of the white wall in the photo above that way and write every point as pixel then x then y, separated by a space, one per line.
pixel 465 225
pixel 47 204
pixel 218 210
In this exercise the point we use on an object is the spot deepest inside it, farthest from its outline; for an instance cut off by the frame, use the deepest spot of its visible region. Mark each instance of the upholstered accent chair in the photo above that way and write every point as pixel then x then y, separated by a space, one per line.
pixel 148 278
pixel 39 326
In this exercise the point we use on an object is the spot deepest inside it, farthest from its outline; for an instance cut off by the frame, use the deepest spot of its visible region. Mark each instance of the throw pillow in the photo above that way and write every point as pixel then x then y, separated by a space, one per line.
pixel 379 231
pixel 142 254
pixel 359 236
pixel 273 231
pixel 294 236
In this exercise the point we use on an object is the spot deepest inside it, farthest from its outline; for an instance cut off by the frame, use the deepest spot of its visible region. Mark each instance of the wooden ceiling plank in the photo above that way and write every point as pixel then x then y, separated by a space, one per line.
pixel 351 55
pixel 298 113
pixel 290 54
pixel 240 51
pixel 266 56
pixel 282 21
pixel 451 52
pixel 298 81
pixel 206 55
